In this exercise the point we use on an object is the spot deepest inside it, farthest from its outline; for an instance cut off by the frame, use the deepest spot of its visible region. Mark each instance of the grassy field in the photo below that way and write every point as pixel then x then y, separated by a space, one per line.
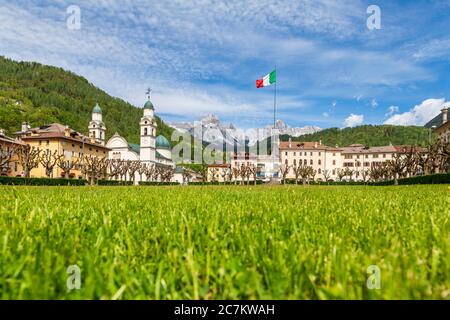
pixel 231 242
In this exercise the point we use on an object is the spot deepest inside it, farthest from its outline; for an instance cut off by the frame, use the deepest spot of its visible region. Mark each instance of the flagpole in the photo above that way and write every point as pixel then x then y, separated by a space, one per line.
pixel 274 118
pixel 275 101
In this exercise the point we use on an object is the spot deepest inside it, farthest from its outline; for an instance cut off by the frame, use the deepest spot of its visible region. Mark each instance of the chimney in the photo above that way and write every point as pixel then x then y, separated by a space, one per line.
pixel 2 132
pixel 320 142
pixel 315 145
pixel 67 131
pixel 25 127
pixel 290 142
pixel 444 115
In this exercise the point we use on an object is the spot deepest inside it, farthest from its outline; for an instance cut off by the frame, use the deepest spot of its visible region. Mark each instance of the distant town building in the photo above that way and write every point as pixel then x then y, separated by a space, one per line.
pixel 323 159
pixel 218 173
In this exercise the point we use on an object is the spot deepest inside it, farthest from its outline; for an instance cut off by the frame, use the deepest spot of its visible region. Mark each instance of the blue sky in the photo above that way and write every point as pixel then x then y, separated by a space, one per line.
pixel 204 56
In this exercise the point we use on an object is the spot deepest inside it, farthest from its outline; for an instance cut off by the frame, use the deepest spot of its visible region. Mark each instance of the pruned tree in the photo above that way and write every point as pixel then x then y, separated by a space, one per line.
pixel 253 171
pixel 365 174
pixel 115 168
pixel 167 174
pixel 348 173
pixel 187 176
pixel 303 172
pixel 28 158
pixel 49 160
pixel 213 171
pixel 94 168
pixel 397 166
pixel 327 175
pixel 159 173
pixel 150 171
pixel 6 153
pixel 133 167
pixel 236 174
pixel 141 171
pixel 245 173
pixel 284 171
pixel 66 166
pixel 313 174
pixel 341 174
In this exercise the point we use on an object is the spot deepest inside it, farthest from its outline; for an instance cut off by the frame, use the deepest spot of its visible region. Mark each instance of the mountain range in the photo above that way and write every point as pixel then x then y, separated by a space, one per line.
pixel 210 129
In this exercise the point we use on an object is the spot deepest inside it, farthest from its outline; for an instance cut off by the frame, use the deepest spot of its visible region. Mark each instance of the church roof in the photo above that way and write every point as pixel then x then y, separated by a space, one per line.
pixel 160 156
pixel 162 143
pixel 97 109
pixel 149 105
pixel 135 147
pixel 57 131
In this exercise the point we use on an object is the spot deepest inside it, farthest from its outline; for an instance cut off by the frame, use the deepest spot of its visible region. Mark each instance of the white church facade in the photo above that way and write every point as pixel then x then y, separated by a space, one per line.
pixel 151 150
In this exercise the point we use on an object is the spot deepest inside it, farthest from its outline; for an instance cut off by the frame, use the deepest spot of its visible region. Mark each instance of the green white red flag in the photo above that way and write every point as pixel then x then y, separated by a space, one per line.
pixel 268 80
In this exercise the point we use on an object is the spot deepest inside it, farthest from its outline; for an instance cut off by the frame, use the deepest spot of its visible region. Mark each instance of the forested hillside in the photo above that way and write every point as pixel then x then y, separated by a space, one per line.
pixel 42 94
pixel 370 135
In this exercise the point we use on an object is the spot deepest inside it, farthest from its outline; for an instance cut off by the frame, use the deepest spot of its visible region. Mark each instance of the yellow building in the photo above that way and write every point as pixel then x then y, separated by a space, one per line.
pixel 72 145
pixel 13 169
pixel 65 141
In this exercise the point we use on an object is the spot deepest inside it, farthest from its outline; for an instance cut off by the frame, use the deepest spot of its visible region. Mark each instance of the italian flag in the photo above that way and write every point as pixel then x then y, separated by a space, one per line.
pixel 268 80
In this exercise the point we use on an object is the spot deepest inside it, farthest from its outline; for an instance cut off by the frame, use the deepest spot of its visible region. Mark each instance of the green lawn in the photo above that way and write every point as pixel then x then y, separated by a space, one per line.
pixel 234 242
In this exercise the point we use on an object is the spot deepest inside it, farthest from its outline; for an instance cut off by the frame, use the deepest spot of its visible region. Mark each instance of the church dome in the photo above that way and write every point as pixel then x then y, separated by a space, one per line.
pixel 149 105
pixel 162 143
pixel 97 109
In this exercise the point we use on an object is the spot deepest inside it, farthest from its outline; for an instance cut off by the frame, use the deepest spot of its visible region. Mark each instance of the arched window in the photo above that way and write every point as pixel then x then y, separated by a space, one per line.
pixel 101 135
pixel 145 131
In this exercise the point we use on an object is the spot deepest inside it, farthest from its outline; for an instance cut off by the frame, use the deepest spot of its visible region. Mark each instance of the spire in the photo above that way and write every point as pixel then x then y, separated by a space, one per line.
pixel 97 109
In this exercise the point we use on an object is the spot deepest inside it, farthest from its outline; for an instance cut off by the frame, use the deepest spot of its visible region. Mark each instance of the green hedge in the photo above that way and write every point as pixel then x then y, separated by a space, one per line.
pixel 41 181
pixel 228 183
pixel 441 178
pixel 114 183
pixel 152 183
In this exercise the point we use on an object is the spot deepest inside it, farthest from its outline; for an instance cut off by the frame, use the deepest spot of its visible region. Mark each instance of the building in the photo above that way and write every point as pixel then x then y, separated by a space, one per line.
pixel 443 129
pixel 268 167
pixel 152 150
pixel 9 161
pixel 65 141
pixel 360 158
pixel 323 159
pixel 218 173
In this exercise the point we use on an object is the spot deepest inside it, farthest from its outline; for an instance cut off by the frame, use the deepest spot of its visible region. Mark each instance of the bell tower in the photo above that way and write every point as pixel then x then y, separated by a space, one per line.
pixel 148 132
pixel 97 129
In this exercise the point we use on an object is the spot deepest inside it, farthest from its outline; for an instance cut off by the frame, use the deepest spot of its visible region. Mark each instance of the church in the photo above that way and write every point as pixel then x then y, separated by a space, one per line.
pixel 152 149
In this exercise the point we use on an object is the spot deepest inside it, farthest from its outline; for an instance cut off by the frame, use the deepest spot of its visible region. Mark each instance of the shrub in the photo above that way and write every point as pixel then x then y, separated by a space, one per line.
pixel 441 178
pixel 153 183
pixel 19 181
pixel 114 183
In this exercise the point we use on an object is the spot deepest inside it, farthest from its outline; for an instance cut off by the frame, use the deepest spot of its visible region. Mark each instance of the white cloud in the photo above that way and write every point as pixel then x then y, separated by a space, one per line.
pixel 326 114
pixel 126 46
pixel 374 104
pixel 391 111
pixel 437 48
pixel 353 120
pixel 420 114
